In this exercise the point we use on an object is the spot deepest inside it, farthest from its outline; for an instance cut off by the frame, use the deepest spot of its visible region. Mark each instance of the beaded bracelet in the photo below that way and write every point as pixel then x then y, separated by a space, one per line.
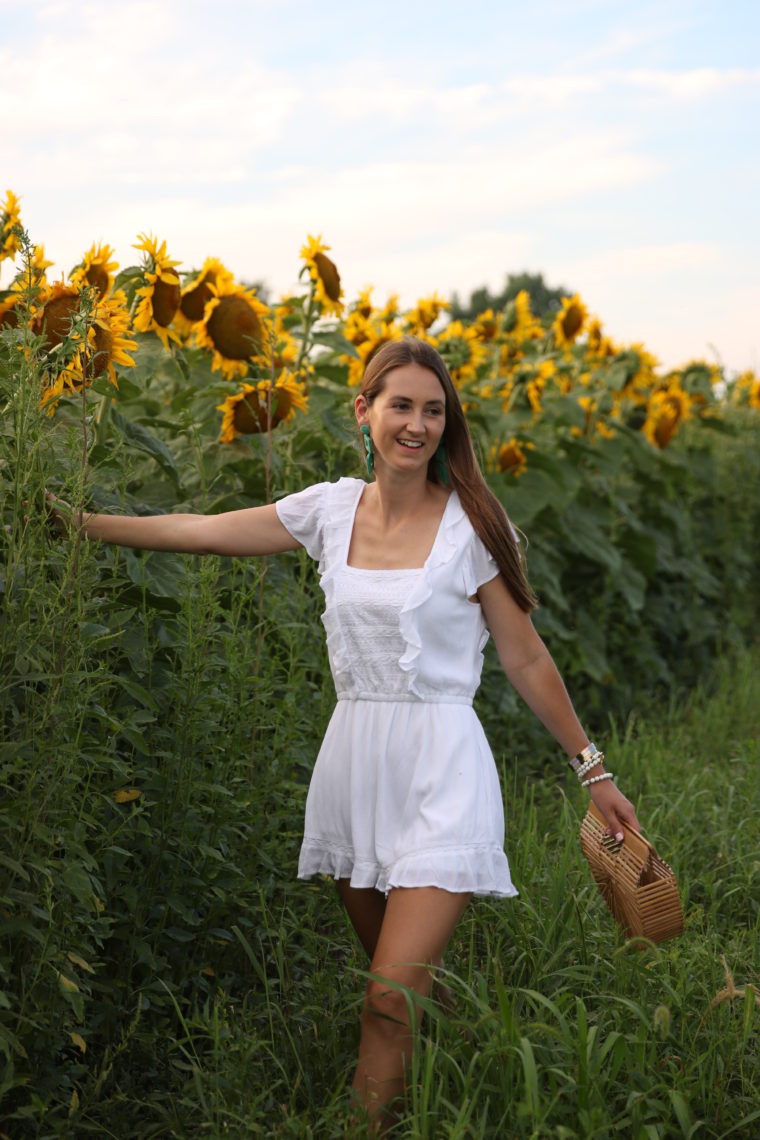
pixel 597 779
pixel 597 758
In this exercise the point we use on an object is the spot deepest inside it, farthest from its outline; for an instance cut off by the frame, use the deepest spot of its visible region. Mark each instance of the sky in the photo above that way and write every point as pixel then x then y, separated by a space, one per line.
pixel 612 146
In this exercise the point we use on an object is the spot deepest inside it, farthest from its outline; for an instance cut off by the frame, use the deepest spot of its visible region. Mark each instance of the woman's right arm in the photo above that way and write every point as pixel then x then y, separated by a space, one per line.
pixel 251 531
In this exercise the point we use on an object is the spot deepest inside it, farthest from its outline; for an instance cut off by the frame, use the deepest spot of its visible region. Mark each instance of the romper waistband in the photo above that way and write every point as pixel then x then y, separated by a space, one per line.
pixel 408 698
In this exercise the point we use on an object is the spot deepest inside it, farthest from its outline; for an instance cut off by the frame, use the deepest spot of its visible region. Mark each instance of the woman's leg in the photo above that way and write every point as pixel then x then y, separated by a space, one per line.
pixel 366 908
pixel 416 928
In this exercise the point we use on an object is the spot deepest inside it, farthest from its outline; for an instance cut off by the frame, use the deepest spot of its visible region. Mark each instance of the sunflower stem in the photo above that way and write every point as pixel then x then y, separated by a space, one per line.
pixel 102 417
pixel 308 321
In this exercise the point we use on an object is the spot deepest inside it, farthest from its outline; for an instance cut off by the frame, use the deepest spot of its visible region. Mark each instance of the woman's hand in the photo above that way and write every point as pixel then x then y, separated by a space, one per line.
pixel 616 808
pixel 60 514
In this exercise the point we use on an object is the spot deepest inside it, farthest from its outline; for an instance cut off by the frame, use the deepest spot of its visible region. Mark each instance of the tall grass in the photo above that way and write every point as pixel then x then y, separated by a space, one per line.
pixel 561 1027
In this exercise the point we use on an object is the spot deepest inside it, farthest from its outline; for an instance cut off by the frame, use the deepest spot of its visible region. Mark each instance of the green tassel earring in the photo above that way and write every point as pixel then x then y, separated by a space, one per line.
pixel 369 458
pixel 441 468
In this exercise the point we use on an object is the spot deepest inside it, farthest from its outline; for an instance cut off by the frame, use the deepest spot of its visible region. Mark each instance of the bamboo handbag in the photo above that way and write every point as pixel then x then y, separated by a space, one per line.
pixel 638 886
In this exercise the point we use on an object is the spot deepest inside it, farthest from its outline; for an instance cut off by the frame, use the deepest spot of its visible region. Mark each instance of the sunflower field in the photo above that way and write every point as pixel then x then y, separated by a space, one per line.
pixel 160 713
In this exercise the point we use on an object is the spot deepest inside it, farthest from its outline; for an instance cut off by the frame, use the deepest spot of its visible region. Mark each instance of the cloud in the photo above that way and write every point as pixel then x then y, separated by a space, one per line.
pixel 363 210
pixel 694 84
pixel 642 262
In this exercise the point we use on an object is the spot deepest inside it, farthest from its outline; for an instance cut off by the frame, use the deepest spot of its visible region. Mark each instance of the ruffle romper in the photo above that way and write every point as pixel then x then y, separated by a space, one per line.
pixel 404 791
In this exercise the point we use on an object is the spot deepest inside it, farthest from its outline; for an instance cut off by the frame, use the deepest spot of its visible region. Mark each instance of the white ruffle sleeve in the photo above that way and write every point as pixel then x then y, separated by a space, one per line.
pixel 303 516
pixel 480 566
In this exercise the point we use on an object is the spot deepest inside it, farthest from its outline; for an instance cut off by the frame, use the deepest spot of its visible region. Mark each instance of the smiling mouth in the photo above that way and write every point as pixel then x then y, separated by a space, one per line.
pixel 410 444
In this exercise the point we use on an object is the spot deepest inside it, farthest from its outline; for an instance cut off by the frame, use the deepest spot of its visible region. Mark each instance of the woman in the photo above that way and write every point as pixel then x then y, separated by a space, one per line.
pixel 404 808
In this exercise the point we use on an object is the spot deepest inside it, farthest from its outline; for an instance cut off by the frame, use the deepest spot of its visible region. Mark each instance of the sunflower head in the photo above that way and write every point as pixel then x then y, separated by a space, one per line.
pixel 196 291
pixel 426 312
pixel 745 388
pixel 377 334
pixel 569 322
pixel 666 410
pixel 10 219
pixel 9 311
pixel 363 304
pixel 96 270
pixel 108 341
pixel 486 325
pixel 510 458
pixel 257 407
pixel 357 328
pixel 324 274
pixel 236 326
pixel 161 293
pixel 462 350
pixel 54 317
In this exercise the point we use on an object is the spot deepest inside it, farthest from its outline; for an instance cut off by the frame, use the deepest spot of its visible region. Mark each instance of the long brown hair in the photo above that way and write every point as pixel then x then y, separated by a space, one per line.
pixel 485 512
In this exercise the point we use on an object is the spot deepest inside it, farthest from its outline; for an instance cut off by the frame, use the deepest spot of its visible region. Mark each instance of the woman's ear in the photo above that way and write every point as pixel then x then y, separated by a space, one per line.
pixel 361 410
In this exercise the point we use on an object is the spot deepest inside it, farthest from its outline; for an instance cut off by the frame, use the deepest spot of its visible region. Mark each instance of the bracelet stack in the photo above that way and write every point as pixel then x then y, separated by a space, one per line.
pixel 583 763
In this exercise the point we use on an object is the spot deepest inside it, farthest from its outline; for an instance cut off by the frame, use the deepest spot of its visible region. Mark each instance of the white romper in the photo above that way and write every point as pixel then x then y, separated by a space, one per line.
pixel 404 791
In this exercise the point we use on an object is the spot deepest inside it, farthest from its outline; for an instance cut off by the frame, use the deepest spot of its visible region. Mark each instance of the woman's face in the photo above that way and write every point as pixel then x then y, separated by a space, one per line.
pixel 406 419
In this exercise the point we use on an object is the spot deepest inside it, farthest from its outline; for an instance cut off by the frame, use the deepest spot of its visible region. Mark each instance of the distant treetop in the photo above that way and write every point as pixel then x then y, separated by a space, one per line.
pixel 544 301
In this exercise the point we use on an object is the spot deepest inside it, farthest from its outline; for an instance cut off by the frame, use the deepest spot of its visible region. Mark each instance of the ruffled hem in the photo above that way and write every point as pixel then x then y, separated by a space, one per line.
pixel 480 870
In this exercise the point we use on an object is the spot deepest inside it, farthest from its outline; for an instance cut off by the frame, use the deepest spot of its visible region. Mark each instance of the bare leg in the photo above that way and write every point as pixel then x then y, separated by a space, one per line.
pixel 366 909
pixel 415 930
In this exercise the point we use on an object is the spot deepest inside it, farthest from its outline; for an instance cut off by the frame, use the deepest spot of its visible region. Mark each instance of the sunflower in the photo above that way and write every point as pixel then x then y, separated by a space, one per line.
pixel 666 410
pixel 96 269
pixel 196 292
pixel 569 322
pixel 357 328
pixel 746 386
pixel 363 303
pixel 324 274
pixel 10 216
pixel 518 319
pixel 510 458
pixel 644 379
pixel 425 313
pixel 462 350
pixel 235 326
pixel 377 334
pixel 390 309
pixel 58 308
pixel 255 406
pixel 108 341
pixel 9 311
pixel 161 293
pixel 486 325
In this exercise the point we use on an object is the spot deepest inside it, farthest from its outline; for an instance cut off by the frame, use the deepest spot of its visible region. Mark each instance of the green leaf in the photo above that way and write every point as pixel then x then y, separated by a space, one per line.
pixel 138 437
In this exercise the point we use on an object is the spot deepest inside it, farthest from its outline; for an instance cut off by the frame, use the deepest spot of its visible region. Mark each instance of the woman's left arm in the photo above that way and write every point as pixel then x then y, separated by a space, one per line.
pixel 530 668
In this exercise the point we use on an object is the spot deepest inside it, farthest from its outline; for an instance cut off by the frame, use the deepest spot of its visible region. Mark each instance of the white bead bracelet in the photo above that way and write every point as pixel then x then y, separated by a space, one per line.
pixel 597 779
